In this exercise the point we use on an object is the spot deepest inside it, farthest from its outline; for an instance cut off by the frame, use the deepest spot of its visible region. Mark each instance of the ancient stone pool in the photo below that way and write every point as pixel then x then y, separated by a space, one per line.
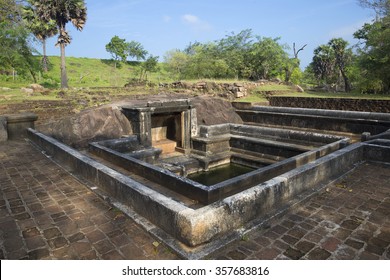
pixel 148 174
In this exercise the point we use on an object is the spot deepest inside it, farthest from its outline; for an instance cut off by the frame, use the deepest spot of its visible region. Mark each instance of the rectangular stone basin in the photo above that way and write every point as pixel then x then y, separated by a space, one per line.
pixel 202 229
pixel 236 135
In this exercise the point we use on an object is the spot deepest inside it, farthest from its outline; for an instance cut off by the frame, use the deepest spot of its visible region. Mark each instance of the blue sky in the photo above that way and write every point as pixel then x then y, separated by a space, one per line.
pixel 163 25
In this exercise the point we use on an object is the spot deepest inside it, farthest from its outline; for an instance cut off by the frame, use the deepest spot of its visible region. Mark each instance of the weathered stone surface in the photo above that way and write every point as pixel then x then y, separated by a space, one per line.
pixel 37 88
pixel 27 90
pixel 3 129
pixel 215 111
pixel 226 90
pixel 343 104
pixel 17 124
pixel 298 88
pixel 106 122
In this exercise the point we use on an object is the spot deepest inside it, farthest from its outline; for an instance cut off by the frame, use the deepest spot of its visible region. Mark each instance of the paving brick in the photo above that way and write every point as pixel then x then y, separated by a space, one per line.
pixel 368 256
pixel 344 252
pixel 76 237
pixel 31 232
pixel 113 255
pixel 262 240
pixel 342 233
pixel 374 249
pixel 297 232
pixel 236 255
pixel 104 246
pixel 280 244
pixel 268 254
pixel 330 244
pixel 354 243
pixel 279 229
pixel 318 254
pixel 350 224
pixel 38 254
pixel 304 246
pixel 51 233
pixel 35 243
pixel 57 242
pixel 95 236
pixel 293 254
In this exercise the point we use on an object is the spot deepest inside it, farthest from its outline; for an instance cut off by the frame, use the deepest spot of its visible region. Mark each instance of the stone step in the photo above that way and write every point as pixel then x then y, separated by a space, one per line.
pixel 266 157
pixel 167 146
pixel 253 159
pixel 275 143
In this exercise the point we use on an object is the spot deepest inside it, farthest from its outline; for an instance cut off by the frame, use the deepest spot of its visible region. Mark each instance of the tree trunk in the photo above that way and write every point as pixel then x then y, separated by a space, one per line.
pixel 44 58
pixel 33 75
pixel 64 77
pixel 347 84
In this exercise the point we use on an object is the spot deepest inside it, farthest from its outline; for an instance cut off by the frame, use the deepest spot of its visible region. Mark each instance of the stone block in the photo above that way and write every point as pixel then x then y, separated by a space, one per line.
pixel 18 124
pixel 3 129
pixel 167 146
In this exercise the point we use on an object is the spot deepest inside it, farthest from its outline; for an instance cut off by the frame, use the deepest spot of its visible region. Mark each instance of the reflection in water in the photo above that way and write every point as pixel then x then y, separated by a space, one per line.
pixel 219 174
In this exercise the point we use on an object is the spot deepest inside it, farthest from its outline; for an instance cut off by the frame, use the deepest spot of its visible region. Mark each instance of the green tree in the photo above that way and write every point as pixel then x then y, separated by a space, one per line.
pixel 63 12
pixel 233 50
pixel 374 50
pixel 323 64
pixel 16 53
pixel 342 59
pixel 204 62
pixel 118 48
pixel 41 30
pixel 267 58
pixel 176 62
pixel 381 7
pixel 136 50
pixel 149 65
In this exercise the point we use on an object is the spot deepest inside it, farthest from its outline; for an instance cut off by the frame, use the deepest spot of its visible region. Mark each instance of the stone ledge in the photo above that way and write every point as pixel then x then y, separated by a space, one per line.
pixel 3 129
pixel 365 105
pixel 14 126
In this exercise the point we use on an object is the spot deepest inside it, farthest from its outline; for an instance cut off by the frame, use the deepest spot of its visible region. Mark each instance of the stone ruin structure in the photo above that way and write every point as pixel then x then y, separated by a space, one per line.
pixel 145 170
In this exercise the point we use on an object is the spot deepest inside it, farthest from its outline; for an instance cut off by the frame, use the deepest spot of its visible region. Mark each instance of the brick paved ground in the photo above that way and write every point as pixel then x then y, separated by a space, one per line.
pixel 350 219
pixel 45 213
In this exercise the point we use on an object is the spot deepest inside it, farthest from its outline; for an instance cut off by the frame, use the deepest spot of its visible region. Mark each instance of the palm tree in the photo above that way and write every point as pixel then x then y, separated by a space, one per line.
pixel 62 12
pixel 41 30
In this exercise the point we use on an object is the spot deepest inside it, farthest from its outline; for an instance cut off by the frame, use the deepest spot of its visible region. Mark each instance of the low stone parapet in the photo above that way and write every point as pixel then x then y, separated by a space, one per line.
pixel 345 104
pixel 15 126
pixel 3 129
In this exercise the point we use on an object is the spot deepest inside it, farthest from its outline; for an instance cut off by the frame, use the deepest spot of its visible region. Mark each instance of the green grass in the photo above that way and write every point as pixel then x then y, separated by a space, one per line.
pixel 353 95
pixel 16 96
pixel 259 94
pixel 88 72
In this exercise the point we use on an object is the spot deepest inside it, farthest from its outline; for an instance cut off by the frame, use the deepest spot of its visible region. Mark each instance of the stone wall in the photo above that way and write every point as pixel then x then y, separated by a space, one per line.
pixel 345 104
pixel 226 90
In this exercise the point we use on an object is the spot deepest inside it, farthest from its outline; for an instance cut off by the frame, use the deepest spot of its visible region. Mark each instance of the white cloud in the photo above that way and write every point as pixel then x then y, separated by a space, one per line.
pixel 196 23
pixel 191 19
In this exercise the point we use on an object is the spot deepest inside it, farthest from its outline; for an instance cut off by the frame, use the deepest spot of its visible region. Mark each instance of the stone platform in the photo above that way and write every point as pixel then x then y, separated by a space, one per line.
pixel 46 213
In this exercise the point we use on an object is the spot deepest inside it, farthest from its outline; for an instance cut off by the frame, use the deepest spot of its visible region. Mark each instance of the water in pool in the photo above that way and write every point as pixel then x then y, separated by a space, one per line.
pixel 219 174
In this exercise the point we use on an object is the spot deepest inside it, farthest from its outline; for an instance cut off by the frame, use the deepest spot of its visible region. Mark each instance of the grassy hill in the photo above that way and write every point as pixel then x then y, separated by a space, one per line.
pixel 88 72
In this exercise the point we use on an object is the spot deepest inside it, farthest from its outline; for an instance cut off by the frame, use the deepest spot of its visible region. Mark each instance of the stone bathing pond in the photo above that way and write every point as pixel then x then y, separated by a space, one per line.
pixel 282 155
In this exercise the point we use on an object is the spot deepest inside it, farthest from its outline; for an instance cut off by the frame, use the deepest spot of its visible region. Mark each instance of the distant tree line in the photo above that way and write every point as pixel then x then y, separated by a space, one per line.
pixel 121 50
pixel 335 65
pixel 237 56
pixel 366 66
